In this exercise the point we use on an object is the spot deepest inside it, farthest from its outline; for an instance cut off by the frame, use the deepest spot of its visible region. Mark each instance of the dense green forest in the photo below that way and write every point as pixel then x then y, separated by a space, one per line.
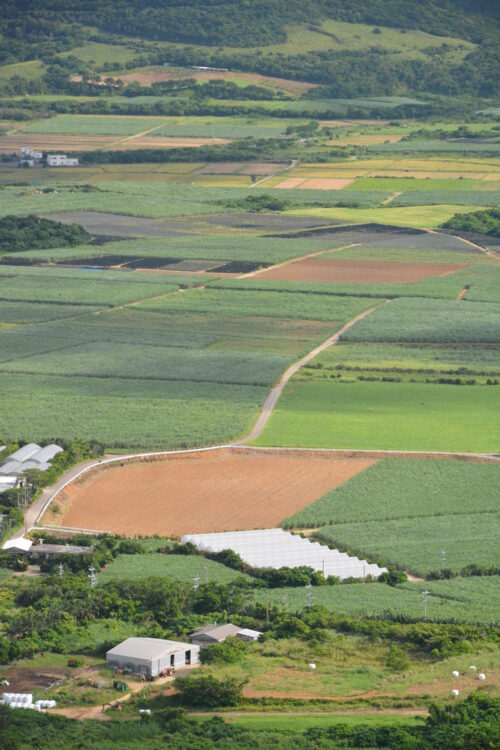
pixel 32 233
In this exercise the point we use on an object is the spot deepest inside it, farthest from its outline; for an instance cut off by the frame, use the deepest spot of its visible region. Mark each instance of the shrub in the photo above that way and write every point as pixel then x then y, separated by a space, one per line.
pixel 228 652
pixel 207 691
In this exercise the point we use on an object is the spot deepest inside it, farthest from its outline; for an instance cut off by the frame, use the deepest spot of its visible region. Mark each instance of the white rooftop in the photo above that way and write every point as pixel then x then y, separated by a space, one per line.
pixel 147 648
pixel 276 548
pixel 19 543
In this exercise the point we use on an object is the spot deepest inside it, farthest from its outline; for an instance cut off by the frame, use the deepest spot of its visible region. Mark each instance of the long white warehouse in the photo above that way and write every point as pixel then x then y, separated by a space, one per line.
pixel 275 548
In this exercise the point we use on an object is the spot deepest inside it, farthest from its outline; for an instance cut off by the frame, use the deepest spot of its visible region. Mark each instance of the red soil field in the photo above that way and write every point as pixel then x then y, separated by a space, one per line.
pixel 358 271
pixel 202 492
pixel 156 75
pixel 326 183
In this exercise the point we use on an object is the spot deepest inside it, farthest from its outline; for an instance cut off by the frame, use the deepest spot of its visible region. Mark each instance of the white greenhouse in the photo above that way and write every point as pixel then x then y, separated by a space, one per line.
pixel 275 548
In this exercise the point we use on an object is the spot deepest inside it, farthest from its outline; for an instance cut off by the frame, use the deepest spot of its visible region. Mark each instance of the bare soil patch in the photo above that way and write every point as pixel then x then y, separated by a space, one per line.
pixel 23 680
pixel 168 142
pixel 12 143
pixel 325 183
pixel 290 182
pixel 202 492
pixel 230 167
pixel 156 75
pixel 358 271
pixel 262 168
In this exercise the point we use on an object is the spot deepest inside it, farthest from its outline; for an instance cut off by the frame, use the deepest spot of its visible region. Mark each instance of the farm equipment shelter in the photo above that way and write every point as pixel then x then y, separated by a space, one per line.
pixel 151 656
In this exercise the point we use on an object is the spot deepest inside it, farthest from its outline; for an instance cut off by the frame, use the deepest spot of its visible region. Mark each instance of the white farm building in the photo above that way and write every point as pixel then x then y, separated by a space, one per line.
pixel 151 656
pixel 60 160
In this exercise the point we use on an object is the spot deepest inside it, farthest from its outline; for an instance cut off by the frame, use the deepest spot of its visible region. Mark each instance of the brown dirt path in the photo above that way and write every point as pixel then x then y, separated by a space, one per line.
pixel 272 399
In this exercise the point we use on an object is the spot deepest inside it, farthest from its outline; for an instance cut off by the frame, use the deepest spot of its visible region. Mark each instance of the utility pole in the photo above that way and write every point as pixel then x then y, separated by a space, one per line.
pixel 309 594
pixel 196 582
pixel 92 576
pixel 443 558
pixel 61 570
pixel 267 608
pixel 425 594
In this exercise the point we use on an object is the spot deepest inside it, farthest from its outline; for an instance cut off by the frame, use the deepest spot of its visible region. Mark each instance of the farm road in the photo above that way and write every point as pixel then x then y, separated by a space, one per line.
pixel 272 399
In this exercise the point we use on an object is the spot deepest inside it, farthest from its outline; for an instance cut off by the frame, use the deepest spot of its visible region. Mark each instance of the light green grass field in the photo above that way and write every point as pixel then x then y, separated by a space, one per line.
pixel 93 125
pixel 98 53
pixel 178 567
pixel 466 600
pixel 385 416
pixel 295 723
pixel 401 184
pixel 31 70
pixel 420 217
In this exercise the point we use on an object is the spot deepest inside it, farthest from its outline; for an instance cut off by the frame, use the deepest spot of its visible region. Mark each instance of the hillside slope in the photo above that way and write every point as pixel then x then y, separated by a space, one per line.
pixel 371 46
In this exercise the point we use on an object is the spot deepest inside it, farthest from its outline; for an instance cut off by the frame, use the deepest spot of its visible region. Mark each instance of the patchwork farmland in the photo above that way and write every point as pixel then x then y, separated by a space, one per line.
pixel 258 321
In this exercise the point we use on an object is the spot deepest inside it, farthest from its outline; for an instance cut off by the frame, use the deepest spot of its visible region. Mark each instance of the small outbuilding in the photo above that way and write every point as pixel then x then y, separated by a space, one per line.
pixel 18 546
pixel 151 656
pixel 211 634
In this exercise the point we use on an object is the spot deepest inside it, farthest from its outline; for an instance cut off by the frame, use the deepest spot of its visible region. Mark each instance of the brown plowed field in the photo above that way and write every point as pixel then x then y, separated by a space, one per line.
pixel 156 75
pixel 201 492
pixel 358 271
pixel 324 183
pixel 12 143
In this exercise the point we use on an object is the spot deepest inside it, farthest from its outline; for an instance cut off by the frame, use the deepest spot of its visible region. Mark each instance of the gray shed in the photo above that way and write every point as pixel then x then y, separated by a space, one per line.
pixel 151 656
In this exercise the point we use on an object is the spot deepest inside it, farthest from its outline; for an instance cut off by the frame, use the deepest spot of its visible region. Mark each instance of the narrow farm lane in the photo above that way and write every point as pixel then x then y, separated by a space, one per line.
pixel 272 399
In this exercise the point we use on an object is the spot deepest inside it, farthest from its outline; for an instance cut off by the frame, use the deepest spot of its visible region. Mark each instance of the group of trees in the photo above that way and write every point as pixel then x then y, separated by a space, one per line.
pixel 33 233
pixel 479 222
pixel 472 724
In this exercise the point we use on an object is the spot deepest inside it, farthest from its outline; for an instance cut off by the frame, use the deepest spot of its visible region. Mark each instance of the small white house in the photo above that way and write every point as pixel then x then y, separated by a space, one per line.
pixel 18 546
pixel 60 160
pixel 151 656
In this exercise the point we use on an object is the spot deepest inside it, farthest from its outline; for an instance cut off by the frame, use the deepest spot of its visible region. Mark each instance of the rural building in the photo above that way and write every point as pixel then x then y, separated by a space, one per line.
pixel 60 160
pixel 47 550
pixel 151 656
pixel 19 546
pixel 211 634
pixel 30 456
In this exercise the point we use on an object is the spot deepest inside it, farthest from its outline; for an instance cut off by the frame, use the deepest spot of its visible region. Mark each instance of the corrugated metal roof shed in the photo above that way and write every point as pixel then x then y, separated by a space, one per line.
pixel 146 648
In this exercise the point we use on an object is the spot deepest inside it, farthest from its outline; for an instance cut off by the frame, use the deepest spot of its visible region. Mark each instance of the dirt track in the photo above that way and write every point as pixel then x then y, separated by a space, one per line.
pixel 202 492
pixel 276 392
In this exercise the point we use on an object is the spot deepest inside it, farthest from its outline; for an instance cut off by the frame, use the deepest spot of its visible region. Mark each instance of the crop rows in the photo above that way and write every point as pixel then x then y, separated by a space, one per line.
pixel 228 302
pixel 406 489
pixel 448 197
pixel 126 413
pixel 416 544
pixel 430 320
pixel 178 567
pixel 464 600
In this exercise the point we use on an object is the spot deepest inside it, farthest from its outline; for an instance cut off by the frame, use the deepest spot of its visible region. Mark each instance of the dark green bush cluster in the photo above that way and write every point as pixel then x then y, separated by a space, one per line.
pixel 32 233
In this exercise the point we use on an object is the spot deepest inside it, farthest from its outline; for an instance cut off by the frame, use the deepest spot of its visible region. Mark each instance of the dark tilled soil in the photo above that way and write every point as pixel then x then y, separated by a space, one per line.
pixel 117 225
